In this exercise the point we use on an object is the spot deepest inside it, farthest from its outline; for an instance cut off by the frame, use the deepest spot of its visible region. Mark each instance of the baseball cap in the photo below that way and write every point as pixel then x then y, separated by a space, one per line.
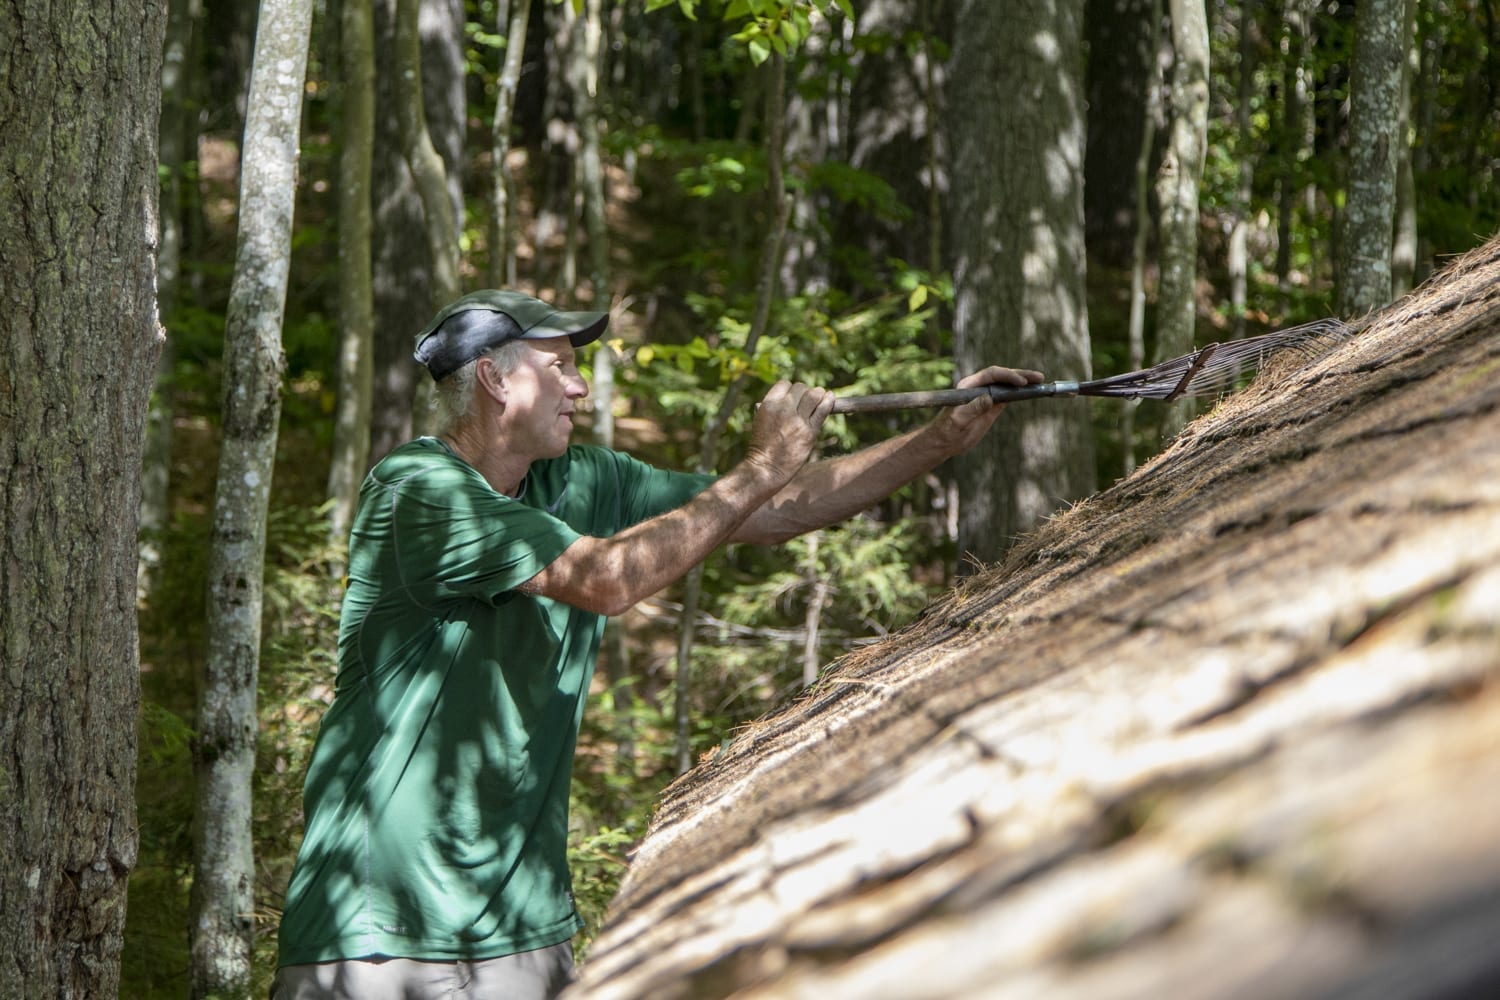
pixel 472 325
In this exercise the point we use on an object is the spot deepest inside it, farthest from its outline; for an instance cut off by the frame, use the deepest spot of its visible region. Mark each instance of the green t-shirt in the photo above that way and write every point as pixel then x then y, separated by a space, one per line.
pixel 437 796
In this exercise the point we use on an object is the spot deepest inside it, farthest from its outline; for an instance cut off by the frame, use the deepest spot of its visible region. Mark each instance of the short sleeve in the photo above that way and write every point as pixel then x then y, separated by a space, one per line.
pixel 454 536
pixel 647 491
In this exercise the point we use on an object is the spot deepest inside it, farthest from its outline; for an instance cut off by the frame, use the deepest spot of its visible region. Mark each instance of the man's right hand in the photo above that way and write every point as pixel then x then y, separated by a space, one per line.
pixel 787 426
pixel 608 575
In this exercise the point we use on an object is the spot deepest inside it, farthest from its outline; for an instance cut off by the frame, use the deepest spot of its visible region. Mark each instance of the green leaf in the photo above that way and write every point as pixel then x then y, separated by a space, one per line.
pixel 760 51
pixel 917 298
pixel 487 39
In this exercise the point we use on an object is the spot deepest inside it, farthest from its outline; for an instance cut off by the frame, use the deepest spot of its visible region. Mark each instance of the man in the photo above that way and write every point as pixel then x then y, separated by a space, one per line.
pixel 482 563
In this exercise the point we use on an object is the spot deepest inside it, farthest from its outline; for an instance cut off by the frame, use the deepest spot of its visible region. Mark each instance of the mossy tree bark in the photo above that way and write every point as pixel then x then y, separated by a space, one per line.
pixel 80 88
pixel 1374 120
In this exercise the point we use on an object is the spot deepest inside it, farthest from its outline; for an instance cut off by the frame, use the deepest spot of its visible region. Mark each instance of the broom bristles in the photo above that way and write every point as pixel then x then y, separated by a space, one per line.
pixel 1218 366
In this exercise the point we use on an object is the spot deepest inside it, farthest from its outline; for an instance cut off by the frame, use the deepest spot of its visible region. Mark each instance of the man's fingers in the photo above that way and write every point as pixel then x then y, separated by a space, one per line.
pixel 777 392
pixel 787 423
pixel 825 405
pixel 996 375
pixel 814 399
pixel 808 402
pixel 974 409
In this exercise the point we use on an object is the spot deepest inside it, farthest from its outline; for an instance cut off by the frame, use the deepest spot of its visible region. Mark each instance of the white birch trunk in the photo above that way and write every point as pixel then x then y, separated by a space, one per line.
pixel 222 909
pixel 1177 191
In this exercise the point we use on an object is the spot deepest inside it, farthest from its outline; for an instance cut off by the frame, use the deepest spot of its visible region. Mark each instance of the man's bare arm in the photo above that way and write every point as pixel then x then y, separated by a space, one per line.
pixel 830 491
pixel 608 575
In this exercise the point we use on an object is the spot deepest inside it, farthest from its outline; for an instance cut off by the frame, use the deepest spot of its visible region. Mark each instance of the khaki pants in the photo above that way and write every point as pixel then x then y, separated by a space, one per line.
pixel 530 975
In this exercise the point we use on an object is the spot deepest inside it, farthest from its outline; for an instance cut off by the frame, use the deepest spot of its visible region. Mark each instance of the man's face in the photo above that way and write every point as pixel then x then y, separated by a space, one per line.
pixel 540 395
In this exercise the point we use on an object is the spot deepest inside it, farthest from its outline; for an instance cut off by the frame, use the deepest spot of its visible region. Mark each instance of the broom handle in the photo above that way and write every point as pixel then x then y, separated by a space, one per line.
pixel 951 397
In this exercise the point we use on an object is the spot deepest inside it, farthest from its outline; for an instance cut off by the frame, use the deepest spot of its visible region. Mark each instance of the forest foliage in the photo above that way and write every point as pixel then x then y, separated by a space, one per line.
pixel 683 139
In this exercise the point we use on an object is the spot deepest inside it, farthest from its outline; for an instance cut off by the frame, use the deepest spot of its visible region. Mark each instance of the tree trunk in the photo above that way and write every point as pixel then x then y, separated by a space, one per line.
pixel 812 618
pixel 351 428
pixel 1295 43
pixel 1122 41
pixel 502 234
pixel 1239 236
pixel 401 271
pixel 770 258
pixel 583 78
pixel 1404 241
pixel 1135 342
pixel 403 277
pixel 1330 133
pixel 814 129
pixel 222 908
pixel 932 146
pixel 1177 188
pixel 556 166
pixel 1425 124
pixel 430 177
pixel 175 143
pixel 583 67
pixel 894 132
pixel 1374 120
pixel 1016 126
pixel 78 349
pixel 231 24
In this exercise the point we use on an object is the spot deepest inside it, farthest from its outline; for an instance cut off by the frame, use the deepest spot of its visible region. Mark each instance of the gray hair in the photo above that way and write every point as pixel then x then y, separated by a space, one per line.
pixel 453 400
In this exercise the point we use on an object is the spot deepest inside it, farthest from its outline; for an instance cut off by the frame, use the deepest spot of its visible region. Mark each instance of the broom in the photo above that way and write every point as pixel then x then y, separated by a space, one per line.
pixel 1206 371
